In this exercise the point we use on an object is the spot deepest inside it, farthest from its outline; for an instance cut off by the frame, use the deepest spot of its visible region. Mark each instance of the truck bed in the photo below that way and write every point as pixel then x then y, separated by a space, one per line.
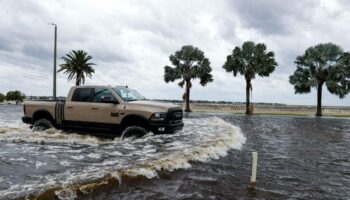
pixel 55 108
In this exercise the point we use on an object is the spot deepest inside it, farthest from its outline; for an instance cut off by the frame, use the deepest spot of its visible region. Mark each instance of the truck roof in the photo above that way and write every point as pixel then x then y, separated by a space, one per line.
pixel 109 86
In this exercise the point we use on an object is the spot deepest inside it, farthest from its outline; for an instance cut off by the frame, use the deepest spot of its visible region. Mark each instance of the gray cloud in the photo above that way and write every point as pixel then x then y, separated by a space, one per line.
pixel 272 16
pixel 130 41
pixel 5 46
pixel 37 50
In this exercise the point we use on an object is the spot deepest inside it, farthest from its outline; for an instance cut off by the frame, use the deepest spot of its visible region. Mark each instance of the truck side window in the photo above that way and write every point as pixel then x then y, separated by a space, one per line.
pixel 102 92
pixel 82 94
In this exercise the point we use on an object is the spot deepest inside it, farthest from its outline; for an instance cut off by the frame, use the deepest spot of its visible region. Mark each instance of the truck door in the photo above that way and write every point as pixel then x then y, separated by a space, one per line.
pixel 77 111
pixel 108 113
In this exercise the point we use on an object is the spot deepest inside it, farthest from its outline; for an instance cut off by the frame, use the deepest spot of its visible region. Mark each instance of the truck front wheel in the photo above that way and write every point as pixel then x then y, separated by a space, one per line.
pixel 42 124
pixel 133 132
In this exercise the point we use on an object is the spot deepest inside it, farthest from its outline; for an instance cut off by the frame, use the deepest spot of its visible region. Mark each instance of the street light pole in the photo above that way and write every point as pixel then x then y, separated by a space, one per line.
pixel 54 62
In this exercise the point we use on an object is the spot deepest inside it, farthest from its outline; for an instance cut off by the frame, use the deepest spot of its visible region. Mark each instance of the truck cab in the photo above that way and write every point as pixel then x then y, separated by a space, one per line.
pixel 105 109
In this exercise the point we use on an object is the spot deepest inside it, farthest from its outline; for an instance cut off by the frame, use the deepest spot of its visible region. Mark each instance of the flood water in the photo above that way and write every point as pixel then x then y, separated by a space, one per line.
pixel 299 158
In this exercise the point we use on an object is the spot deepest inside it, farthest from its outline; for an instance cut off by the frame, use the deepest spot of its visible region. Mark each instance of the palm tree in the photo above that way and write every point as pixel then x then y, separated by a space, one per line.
pixel 322 64
pixel 77 66
pixel 250 60
pixel 189 63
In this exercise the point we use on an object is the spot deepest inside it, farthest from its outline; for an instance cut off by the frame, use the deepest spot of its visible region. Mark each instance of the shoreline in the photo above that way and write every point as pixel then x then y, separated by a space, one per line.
pixel 274 114
pixel 263 110
pixel 288 110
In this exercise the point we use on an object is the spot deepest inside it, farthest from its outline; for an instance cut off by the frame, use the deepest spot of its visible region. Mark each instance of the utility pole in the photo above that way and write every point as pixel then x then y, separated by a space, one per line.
pixel 54 62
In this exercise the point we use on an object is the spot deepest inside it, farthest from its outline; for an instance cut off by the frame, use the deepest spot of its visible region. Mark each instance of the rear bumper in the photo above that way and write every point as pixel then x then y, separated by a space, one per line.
pixel 164 128
pixel 27 120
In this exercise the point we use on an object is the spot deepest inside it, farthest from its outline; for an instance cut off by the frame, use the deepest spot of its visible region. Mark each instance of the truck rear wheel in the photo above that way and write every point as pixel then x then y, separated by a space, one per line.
pixel 133 132
pixel 42 124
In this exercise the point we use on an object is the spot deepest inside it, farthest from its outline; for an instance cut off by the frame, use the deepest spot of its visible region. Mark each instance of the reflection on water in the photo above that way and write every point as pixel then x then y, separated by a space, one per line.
pixel 299 158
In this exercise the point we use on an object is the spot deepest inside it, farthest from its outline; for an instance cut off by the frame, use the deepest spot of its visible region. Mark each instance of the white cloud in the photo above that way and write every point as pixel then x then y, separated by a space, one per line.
pixel 131 42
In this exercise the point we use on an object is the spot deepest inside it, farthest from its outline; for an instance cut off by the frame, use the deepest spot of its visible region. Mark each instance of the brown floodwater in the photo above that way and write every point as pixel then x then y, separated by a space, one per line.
pixel 299 158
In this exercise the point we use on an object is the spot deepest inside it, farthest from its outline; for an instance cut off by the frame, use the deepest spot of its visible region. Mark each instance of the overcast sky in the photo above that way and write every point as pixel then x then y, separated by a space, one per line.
pixel 131 41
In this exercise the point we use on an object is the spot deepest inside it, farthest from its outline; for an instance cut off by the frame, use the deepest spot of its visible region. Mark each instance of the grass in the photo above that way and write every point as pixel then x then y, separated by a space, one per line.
pixel 284 114
pixel 303 114
pixel 279 114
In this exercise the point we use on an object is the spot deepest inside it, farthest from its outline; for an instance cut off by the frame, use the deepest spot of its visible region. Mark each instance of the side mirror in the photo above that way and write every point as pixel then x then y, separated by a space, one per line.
pixel 107 99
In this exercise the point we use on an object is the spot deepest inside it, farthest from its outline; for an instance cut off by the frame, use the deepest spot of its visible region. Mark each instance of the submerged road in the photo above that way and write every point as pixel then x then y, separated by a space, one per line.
pixel 299 158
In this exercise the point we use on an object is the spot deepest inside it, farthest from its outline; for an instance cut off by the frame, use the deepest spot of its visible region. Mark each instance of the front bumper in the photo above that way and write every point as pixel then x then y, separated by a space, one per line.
pixel 27 120
pixel 165 128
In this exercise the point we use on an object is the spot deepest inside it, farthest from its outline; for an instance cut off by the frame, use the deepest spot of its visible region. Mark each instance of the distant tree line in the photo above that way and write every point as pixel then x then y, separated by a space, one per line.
pixel 2 97
pixel 12 96
pixel 218 102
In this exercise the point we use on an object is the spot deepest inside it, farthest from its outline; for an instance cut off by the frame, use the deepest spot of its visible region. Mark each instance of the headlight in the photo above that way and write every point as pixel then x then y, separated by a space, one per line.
pixel 158 116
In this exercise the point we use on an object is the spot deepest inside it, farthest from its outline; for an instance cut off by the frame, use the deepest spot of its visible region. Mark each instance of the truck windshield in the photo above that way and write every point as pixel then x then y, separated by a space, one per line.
pixel 128 94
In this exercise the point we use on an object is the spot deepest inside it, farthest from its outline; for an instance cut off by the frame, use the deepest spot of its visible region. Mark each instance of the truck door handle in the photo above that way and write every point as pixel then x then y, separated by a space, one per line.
pixel 69 106
pixel 94 108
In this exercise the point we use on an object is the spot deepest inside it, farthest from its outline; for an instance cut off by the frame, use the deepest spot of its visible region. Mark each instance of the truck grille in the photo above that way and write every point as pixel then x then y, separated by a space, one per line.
pixel 174 115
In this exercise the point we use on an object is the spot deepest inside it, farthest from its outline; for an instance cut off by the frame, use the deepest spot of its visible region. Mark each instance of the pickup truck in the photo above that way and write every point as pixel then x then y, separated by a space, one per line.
pixel 107 110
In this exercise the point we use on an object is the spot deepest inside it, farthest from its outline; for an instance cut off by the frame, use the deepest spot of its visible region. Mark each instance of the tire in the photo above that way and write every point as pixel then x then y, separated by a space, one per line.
pixel 42 125
pixel 133 132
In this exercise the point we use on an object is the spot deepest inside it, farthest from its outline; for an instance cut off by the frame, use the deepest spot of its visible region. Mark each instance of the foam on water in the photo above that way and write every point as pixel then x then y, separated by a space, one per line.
pixel 7 129
pixel 50 136
pixel 83 163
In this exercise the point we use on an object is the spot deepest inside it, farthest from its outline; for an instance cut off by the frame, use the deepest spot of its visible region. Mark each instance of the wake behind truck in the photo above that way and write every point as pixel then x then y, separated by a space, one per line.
pixel 106 110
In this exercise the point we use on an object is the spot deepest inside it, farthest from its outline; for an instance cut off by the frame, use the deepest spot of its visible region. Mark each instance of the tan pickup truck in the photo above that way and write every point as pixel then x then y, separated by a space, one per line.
pixel 112 110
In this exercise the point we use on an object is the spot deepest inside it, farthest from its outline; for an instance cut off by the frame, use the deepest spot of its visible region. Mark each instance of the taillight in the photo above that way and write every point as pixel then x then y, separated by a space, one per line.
pixel 24 109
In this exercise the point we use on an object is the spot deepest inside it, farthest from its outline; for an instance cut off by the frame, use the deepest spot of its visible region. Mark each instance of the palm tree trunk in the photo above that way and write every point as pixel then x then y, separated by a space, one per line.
pixel 247 91
pixel 77 81
pixel 188 97
pixel 319 99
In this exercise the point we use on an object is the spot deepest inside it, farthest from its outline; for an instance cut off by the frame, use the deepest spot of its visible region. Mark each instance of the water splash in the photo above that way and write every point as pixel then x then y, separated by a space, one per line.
pixel 91 162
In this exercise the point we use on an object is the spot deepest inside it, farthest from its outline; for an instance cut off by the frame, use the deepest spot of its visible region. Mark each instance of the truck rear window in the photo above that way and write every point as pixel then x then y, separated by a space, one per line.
pixel 82 94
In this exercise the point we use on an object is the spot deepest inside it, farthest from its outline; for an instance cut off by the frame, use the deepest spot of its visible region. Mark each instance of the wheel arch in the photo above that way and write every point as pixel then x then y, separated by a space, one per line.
pixel 42 114
pixel 134 119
